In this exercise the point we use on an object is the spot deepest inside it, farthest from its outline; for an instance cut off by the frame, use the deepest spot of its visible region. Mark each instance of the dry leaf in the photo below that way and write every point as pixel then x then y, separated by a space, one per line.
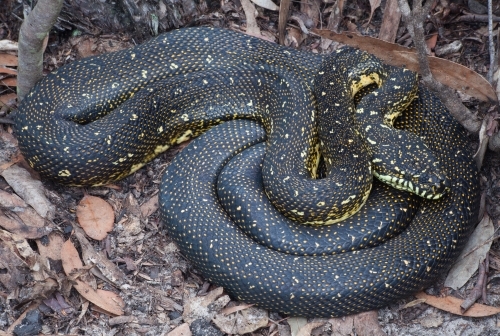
pixel 296 323
pixel 363 324
pixel 11 201
pixel 431 43
pixel 8 60
pixel 13 268
pixel 484 138
pixel 227 311
pixel 413 303
pixel 8 71
pixel 449 73
pixel 433 320
pixel 452 305
pixel 108 301
pixel 204 306
pixel 374 4
pixel 95 216
pixel 182 330
pixel 308 328
pixel 150 206
pixel 8 45
pixel 474 252
pixel 252 27
pixel 267 4
pixel 11 81
pixel 6 98
pixel 15 225
pixel 109 270
pixel 53 249
pixel 243 322
pixel 30 190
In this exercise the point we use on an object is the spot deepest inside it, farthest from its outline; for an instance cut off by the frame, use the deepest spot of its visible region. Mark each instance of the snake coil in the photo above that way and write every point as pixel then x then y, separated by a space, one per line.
pixel 67 133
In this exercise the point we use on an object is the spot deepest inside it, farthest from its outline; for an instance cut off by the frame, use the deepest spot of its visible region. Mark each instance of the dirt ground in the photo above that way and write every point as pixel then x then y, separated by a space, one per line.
pixel 139 283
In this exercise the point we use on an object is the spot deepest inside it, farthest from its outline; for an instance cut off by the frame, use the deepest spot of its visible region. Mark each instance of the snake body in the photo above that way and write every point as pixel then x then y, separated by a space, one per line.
pixel 67 133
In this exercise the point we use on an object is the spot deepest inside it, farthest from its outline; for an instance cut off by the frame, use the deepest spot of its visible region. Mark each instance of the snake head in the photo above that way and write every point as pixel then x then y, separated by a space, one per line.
pixel 408 164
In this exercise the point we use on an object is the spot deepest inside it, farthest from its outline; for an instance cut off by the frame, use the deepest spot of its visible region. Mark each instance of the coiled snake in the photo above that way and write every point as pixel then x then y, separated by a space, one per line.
pixel 67 133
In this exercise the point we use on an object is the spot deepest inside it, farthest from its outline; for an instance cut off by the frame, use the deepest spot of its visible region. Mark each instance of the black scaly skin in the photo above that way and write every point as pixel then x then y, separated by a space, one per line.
pixel 321 286
pixel 241 194
pixel 99 119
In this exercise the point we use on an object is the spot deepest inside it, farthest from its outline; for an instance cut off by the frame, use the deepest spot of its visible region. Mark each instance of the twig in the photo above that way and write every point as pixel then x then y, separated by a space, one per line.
pixel 34 32
pixel 491 45
pixel 414 21
pixel 475 18
pixel 479 288
pixel 484 298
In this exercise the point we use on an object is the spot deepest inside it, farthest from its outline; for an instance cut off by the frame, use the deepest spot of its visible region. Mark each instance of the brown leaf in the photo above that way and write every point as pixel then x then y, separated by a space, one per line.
pixel 431 43
pixel 8 60
pixel 10 201
pixel 449 73
pixel 6 98
pixel 70 258
pixel 14 224
pixel 96 216
pixel 53 249
pixel 106 300
pixel 150 206
pixel 8 71
pixel 452 305
pixel 11 81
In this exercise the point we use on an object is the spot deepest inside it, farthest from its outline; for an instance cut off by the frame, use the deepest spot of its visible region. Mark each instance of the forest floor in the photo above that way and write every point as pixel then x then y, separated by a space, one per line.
pixel 139 282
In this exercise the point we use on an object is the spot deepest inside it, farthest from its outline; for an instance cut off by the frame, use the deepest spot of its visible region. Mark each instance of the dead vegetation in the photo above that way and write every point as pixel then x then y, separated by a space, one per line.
pixel 96 261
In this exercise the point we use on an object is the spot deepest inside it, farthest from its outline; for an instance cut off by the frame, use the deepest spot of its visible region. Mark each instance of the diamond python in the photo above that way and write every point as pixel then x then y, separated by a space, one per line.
pixel 59 140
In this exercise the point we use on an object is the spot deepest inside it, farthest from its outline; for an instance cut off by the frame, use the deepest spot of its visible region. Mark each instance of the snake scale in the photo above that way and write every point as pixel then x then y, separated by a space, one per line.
pixel 67 133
